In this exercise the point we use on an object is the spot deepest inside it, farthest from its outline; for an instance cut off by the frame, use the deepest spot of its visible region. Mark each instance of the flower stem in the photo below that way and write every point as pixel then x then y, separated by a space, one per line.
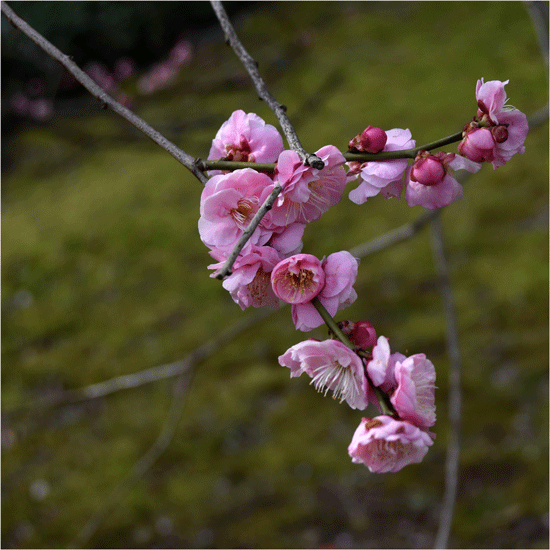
pixel 404 153
pixel 383 399
pixel 349 156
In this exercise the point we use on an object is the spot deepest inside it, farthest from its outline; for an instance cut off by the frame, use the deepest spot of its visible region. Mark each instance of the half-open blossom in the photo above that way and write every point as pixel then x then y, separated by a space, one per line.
pixel 381 368
pixel 340 271
pixel 386 176
pixel 298 279
pixel 414 397
pixel 228 204
pixel 507 125
pixel 477 144
pixel 250 281
pixel 307 192
pixel 428 182
pixel 331 366
pixel 247 138
pixel 384 444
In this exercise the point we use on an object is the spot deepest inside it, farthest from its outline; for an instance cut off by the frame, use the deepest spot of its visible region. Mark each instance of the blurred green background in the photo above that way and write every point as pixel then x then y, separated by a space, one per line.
pixel 103 274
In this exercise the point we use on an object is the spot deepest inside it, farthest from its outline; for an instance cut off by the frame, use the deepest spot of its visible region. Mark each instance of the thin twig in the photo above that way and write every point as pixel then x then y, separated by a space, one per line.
pixel 308 159
pixel 99 93
pixel 251 66
pixel 153 374
pixel 180 388
pixel 225 270
pixel 455 391
pixel 538 11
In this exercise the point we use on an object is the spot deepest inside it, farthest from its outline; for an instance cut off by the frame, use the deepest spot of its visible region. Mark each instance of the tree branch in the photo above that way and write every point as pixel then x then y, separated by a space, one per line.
pixel 455 389
pixel 251 66
pixel 99 93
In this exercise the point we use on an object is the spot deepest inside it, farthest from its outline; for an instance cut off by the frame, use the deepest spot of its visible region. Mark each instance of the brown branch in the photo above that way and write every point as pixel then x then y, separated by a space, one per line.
pixel 251 66
pixel 100 94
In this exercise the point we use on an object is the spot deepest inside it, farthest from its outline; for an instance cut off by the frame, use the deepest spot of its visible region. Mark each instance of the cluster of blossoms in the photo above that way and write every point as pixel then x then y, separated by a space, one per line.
pixel 355 366
pixel 495 134
pixel 387 442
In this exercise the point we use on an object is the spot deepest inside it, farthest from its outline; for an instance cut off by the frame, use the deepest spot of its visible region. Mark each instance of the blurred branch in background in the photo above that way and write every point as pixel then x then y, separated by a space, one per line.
pixel 101 95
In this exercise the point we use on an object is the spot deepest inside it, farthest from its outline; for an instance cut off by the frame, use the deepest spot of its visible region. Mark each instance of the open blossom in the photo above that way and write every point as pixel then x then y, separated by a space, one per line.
pixel 331 366
pixel 409 381
pixel 250 281
pixel 384 444
pixel 307 192
pixel 298 279
pixel 228 204
pixel 414 397
pixel 337 293
pixel 247 138
pixel 384 177
pixel 498 131
pixel 428 182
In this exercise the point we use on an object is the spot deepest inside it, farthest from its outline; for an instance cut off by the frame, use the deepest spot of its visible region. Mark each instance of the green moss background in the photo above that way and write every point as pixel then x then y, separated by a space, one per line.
pixel 103 274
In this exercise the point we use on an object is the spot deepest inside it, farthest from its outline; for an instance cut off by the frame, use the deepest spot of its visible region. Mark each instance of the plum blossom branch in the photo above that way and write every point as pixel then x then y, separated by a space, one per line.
pixel 100 94
pixel 335 329
pixel 247 233
pixel 349 156
pixel 251 66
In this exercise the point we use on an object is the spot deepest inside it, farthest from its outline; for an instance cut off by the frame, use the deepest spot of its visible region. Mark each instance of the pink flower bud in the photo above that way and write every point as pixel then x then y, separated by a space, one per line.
pixel 371 140
pixel 298 279
pixel 478 145
pixel 363 334
pixel 427 169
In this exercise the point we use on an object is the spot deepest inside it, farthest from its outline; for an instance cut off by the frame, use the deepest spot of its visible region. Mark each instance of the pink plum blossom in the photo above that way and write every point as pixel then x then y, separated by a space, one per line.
pixel 340 271
pixel 428 183
pixel 414 397
pixel 288 240
pixel 250 281
pixel 247 138
pixel 331 366
pixel 384 177
pixel 384 444
pixel 381 368
pixel 298 279
pixel 307 192
pixel 508 126
pixel 228 204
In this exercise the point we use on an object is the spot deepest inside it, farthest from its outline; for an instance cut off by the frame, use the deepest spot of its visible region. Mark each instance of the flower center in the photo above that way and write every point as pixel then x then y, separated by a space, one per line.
pixel 246 208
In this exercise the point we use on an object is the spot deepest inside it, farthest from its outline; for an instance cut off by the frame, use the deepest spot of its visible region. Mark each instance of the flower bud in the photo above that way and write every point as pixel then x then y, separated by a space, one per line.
pixel 427 169
pixel 371 140
pixel 478 145
pixel 363 334
pixel 500 133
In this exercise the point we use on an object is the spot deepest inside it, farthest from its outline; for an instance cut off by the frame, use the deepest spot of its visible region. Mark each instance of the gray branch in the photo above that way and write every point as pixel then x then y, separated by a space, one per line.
pixel 251 66
pixel 99 93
